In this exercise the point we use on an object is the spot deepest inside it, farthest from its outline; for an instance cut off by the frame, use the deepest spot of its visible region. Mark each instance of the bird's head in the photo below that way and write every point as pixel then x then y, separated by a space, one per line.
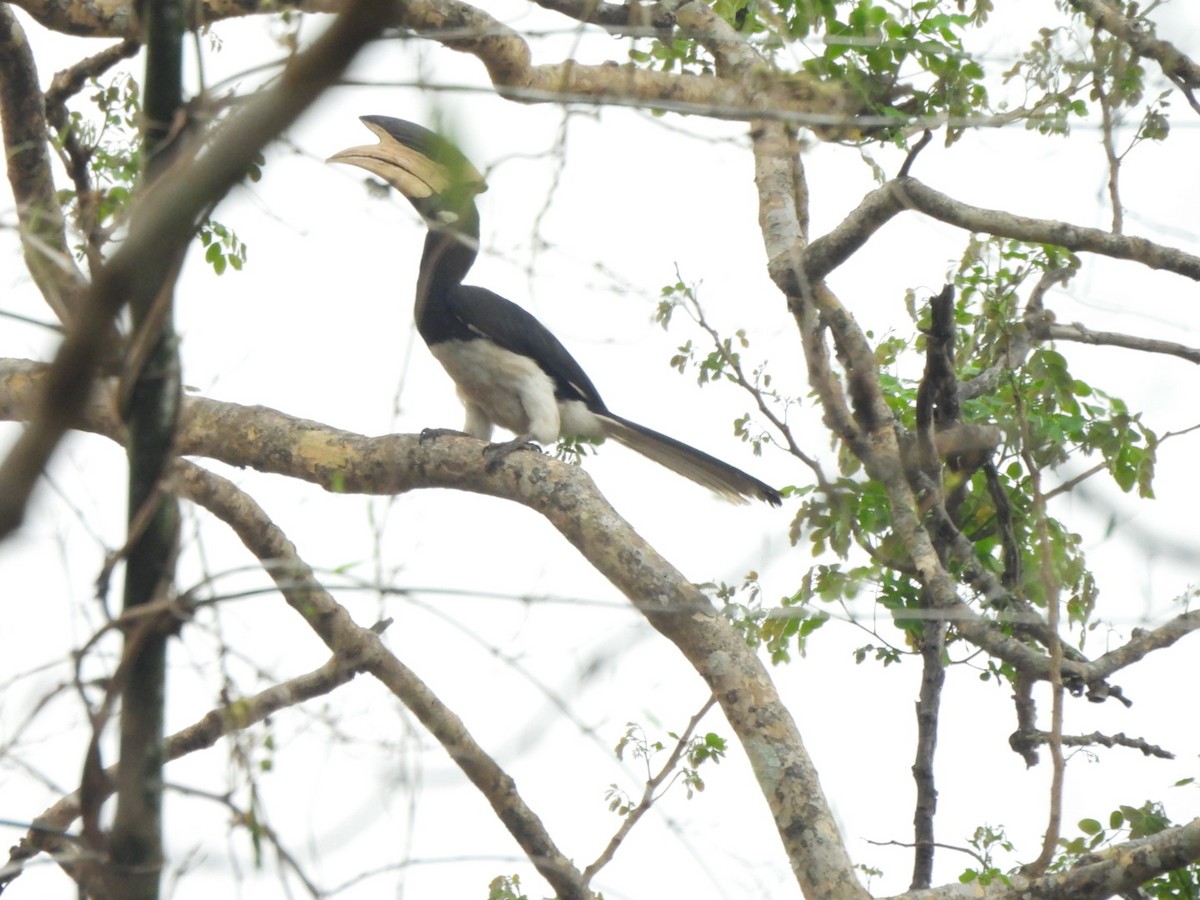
pixel 422 165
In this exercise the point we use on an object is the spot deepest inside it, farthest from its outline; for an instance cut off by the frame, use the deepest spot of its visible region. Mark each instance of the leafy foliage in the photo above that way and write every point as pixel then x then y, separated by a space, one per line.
pixel 1130 823
pixel 106 142
pixel 223 249
pixel 1046 415
pixel 986 841
pixel 506 887
pixel 688 758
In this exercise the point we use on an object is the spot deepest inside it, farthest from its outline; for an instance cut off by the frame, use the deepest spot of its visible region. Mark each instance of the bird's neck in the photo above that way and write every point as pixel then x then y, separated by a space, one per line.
pixel 447 258
pixel 450 250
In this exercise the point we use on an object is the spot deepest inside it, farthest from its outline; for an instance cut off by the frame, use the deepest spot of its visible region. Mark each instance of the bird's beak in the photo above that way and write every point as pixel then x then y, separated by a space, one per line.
pixel 407 169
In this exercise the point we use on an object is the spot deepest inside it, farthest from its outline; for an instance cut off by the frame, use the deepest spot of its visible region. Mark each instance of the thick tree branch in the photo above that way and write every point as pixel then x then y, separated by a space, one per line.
pixel 632 18
pixel 1110 873
pixel 132 854
pixel 507 58
pixel 828 252
pixel 1142 642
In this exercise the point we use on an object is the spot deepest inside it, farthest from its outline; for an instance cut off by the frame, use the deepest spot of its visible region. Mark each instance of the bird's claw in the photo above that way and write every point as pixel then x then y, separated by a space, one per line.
pixel 498 453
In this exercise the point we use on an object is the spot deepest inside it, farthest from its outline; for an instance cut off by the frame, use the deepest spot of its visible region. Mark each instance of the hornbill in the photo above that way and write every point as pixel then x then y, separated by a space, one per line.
pixel 509 369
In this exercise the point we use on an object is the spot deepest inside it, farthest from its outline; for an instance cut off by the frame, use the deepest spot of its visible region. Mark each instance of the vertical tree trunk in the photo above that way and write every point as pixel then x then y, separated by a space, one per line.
pixel 151 413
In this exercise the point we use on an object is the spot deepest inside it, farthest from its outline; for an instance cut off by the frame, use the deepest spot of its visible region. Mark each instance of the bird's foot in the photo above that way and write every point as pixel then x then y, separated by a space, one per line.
pixel 498 453
pixel 429 435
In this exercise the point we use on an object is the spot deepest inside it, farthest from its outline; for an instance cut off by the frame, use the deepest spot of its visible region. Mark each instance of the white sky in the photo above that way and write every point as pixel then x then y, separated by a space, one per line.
pixel 319 325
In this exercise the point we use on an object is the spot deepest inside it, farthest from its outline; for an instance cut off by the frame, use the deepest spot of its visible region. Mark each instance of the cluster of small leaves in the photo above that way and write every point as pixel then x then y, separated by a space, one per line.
pixel 850 511
pixel 1064 74
pixel 785 628
pixel 710 366
pixel 1130 823
pixel 723 362
pixel 1002 673
pixel 709 747
pixel 1126 823
pixel 114 158
pixel 1067 416
pixel 223 249
pixel 925 36
pixel 1050 69
pixel 115 164
pixel 988 280
pixel 986 841
pixel 506 887
pixel 904 62
pixel 676 54
pixel 715 365
pixel 573 450
pixel 1063 417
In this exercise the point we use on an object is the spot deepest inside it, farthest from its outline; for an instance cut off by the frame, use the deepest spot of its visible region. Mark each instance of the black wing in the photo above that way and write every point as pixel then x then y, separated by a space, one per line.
pixel 481 313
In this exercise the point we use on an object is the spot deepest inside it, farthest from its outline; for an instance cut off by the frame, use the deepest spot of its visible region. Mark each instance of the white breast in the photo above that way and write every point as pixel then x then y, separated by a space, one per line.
pixel 508 389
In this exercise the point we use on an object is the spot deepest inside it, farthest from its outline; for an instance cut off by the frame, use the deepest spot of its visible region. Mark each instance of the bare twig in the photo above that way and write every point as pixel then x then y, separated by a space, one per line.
pixel 1050 588
pixel 933 676
pixel 49 831
pixel 648 794
pixel 1103 740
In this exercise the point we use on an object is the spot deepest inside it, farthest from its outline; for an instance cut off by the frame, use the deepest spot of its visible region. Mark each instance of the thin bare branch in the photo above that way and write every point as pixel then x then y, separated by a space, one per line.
pixel 933 677
pixel 1102 740
pixel 49 831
